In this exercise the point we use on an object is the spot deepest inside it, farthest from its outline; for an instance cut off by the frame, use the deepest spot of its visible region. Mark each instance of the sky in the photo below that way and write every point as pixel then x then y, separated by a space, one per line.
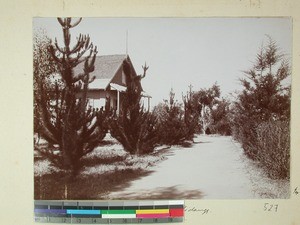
pixel 182 51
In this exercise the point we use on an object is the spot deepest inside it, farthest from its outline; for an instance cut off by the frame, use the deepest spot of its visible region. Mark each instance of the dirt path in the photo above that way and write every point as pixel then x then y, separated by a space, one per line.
pixel 214 168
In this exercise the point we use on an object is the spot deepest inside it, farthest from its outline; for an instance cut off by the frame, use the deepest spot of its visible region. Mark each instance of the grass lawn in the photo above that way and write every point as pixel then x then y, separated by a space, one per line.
pixel 57 186
pixel 108 168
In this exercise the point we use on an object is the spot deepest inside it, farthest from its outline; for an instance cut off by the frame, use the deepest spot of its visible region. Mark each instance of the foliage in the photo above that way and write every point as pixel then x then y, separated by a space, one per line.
pixel 134 128
pixel 172 128
pixel 273 148
pixel 197 111
pixel 263 103
pixel 44 68
pixel 65 119
pixel 207 98
pixel 220 123
pixel 192 110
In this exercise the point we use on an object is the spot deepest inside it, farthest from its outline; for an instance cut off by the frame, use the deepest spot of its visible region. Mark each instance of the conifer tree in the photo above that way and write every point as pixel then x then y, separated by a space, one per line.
pixel 192 109
pixel 207 98
pixel 220 117
pixel 172 128
pixel 134 128
pixel 265 96
pixel 66 120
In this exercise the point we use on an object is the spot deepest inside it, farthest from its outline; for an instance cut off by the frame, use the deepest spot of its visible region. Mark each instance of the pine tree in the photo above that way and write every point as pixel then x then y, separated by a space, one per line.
pixel 134 128
pixel 172 129
pixel 66 120
pixel 265 96
pixel 220 123
pixel 207 98
pixel 192 110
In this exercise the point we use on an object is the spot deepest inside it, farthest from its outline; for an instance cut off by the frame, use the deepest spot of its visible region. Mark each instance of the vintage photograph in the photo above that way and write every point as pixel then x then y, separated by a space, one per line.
pixel 161 108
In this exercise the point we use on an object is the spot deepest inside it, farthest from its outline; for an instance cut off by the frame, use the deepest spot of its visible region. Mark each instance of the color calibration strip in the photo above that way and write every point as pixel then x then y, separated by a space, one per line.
pixel 113 212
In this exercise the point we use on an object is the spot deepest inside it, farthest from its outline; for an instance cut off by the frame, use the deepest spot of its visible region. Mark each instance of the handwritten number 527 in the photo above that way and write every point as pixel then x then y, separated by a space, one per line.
pixel 270 207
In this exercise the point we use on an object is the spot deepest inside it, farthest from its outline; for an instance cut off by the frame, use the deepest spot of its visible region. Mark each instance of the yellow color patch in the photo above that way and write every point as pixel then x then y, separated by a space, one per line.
pixel 151 211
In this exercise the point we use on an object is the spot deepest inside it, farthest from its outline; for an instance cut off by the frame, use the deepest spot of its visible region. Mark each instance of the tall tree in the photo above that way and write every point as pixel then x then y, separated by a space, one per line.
pixel 66 120
pixel 265 96
pixel 172 128
pixel 44 68
pixel 192 111
pixel 207 98
pixel 134 128
pixel 220 117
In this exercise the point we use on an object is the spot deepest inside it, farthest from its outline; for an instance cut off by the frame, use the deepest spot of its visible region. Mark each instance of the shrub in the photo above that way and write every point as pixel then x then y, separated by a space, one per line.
pixel 219 118
pixel 247 137
pixel 192 109
pixel 261 112
pixel 134 128
pixel 172 129
pixel 273 143
pixel 207 98
pixel 136 132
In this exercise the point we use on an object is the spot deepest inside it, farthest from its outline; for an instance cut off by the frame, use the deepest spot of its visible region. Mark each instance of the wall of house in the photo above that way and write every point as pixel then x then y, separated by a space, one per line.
pixel 97 98
pixel 113 99
pixel 119 78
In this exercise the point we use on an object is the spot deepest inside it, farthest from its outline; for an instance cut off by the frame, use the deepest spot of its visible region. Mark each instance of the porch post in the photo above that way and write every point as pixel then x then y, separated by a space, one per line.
pixel 118 102
pixel 148 104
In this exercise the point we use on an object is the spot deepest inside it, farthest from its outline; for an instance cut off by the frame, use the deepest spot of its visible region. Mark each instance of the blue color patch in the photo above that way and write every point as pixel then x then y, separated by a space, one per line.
pixel 83 212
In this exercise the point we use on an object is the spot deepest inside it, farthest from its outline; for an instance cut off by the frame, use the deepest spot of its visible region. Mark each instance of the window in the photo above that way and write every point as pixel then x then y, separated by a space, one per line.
pixel 123 78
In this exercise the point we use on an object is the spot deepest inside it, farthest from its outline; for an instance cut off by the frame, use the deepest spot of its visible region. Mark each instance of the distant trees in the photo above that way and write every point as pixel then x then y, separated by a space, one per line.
pixel 207 98
pixel 134 128
pixel 212 112
pixel 220 117
pixel 262 109
pixel 201 110
pixel 65 119
pixel 192 112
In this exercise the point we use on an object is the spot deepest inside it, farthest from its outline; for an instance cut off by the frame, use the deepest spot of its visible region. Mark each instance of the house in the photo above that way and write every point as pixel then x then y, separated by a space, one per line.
pixel 110 81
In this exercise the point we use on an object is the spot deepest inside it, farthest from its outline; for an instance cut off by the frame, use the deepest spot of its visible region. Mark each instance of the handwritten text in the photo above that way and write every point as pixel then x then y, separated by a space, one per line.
pixel 196 210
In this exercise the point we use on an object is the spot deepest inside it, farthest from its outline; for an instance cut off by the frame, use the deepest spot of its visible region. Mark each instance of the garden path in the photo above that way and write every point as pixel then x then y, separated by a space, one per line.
pixel 213 168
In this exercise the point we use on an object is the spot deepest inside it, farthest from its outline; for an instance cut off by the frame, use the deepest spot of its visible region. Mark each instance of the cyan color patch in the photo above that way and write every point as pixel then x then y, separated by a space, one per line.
pixel 83 212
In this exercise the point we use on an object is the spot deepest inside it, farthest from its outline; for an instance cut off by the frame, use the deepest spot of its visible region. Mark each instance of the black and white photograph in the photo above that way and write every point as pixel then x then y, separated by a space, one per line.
pixel 161 108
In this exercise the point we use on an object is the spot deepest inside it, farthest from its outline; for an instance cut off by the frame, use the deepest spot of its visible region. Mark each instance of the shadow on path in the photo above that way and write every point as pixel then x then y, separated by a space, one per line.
pixel 173 192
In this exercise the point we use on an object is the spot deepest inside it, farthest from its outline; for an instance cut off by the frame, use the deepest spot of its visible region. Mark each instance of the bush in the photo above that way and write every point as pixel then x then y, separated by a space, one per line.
pixel 192 109
pixel 136 131
pixel 219 118
pixel 260 115
pixel 269 144
pixel 246 135
pixel 134 128
pixel 273 148
pixel 172 129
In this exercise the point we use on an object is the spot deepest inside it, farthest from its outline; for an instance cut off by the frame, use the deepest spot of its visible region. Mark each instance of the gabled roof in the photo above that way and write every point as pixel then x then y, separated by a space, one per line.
pixel 106 67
